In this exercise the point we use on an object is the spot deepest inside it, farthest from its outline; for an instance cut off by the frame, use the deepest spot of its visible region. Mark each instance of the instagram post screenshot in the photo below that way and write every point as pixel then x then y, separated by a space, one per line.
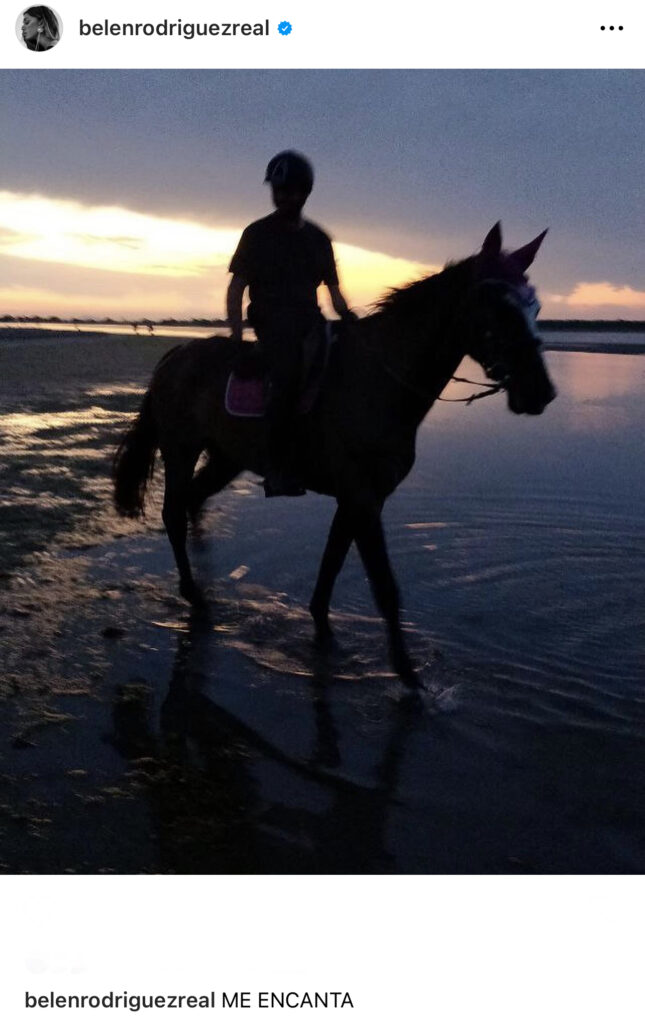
pixel 322 512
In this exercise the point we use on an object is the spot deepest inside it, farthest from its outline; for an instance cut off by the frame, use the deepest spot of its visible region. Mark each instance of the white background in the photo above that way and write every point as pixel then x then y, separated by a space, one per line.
pixel 340 34
pixel 451 950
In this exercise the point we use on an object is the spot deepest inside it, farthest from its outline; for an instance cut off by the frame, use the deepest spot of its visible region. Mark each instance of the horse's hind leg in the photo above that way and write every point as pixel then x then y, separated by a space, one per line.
pixel 338 544
pixel 179 466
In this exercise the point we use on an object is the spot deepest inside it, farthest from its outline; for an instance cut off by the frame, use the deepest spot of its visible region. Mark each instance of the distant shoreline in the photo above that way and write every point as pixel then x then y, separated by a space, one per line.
pixel 627 326
pixel 15 335
pixel 616 349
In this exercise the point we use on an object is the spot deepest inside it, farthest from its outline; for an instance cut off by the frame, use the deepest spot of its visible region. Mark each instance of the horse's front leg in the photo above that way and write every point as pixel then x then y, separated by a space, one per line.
pixel 367 529
pixel 338 544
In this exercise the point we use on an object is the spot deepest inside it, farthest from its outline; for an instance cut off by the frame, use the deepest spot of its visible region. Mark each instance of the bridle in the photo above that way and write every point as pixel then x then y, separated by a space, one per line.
pixel 525 300
pixel 528 309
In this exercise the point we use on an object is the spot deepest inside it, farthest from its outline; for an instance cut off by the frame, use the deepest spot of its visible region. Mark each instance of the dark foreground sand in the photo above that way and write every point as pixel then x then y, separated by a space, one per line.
pixel 64 401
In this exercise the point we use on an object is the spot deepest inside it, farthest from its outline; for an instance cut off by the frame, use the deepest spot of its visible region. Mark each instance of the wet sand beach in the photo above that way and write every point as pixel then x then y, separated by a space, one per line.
pixel 137 737
pixel 63 399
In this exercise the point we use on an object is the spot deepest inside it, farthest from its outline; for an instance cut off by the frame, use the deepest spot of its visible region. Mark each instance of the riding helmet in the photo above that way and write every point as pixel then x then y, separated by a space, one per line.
pixel 290 170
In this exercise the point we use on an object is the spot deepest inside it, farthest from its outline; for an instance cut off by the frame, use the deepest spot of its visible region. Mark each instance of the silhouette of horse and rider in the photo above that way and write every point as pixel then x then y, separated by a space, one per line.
pixel 382 376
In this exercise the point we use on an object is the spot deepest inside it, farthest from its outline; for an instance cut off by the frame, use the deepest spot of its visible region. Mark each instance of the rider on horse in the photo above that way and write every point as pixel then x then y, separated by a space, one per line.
pixel 282 259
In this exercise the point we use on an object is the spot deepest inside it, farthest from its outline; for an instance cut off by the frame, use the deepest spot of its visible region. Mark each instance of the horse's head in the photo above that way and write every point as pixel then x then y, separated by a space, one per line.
pixel 502 332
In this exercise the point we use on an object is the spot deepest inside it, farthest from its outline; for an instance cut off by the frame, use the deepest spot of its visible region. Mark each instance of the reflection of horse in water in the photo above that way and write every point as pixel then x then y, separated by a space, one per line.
pixel 209 777
pixel 358 443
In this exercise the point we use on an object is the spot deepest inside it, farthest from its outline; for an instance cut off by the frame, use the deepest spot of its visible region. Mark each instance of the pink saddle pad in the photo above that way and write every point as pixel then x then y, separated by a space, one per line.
pixel 245 396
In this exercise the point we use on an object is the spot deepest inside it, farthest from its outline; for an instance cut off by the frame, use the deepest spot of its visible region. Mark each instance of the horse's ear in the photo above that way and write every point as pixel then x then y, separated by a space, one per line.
pixel 493 242
pixel 524 257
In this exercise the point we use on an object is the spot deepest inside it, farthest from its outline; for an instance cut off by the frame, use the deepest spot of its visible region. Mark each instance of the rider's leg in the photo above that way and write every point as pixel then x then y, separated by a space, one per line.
pixel 284 357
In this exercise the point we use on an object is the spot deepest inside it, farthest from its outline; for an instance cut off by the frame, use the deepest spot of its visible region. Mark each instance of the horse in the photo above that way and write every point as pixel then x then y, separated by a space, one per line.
pixel 357 443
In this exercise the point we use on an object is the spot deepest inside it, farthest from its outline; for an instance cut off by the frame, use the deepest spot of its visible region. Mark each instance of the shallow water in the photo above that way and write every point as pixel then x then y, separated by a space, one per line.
pixel 519 547
pixel 539 566
pixel 596 341
pixel 518 541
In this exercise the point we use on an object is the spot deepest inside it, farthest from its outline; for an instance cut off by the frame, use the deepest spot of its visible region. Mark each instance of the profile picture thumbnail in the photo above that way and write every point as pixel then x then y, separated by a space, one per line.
pixel 39 28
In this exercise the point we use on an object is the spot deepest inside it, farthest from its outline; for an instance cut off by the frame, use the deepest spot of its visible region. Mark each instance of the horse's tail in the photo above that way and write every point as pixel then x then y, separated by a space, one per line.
pixel 134 462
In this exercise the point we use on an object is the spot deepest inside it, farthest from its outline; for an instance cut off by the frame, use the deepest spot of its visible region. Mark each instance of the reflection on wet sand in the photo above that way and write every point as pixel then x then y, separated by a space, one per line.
pixel 63 401
pixel 208 778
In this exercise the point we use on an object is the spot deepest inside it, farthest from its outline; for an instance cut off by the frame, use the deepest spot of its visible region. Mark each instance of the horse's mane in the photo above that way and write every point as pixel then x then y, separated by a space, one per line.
pixel 417 297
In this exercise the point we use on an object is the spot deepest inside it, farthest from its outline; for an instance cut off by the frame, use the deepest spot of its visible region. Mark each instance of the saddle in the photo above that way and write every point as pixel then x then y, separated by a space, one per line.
pixel 248 384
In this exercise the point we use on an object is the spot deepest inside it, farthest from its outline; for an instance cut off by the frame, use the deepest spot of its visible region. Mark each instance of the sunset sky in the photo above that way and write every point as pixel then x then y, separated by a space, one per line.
pixel 123 193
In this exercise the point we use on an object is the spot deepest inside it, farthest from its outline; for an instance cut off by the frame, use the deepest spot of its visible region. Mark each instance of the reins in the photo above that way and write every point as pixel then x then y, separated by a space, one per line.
pixel 494 390
pixel 429 396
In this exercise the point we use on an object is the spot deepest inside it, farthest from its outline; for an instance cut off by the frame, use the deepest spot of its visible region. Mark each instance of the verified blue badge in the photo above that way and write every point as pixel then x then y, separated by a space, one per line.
pixel 284 28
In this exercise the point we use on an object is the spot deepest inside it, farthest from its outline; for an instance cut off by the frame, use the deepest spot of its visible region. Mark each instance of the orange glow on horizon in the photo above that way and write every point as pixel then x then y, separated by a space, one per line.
pixel 131 264
pixel 176 267
pixel 598 294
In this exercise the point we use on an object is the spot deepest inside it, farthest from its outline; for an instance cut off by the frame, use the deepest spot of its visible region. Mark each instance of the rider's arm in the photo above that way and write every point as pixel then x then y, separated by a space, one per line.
pixel 330 278
pixel 234 298
pixel 339 302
